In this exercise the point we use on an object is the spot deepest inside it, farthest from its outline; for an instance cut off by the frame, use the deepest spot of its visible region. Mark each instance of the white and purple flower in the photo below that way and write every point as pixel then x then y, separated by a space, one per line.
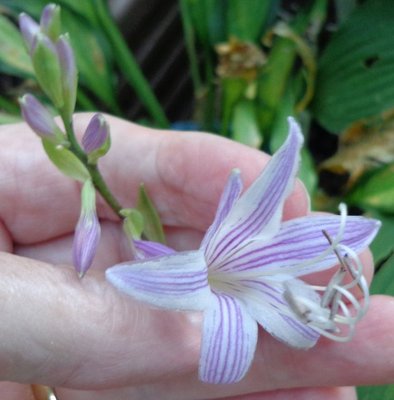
pixel 246 271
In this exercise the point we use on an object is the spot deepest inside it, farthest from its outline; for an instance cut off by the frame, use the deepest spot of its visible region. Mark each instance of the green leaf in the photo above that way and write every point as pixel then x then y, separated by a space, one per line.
pixel 93 62
pixel 33 8
pixel 66 161
pixel 383 244
pixel 153 229
pixel 245 126
pixel 375 190
pixel 207 19
pixel 383 283
pixel 375 392
pixel 13 55
pixel 356 71
pixel 83 8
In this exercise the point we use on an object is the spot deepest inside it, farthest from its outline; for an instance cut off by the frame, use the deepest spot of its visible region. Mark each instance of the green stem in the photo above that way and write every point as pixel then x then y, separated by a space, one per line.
pixel 97 178
pixel 129 66
pixel 272 82
pixel 103 189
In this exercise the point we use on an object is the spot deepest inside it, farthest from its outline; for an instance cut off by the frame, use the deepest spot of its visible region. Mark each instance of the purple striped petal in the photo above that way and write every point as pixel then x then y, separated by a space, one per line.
pixel 228 342
pixel 176 281
pixel 265 303
pixel 258 212
pixel 230 195
pixel 294 250
pixel 152 249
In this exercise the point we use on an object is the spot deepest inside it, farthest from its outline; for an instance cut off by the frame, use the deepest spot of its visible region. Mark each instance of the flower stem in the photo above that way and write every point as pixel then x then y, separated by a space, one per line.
pixel 97 179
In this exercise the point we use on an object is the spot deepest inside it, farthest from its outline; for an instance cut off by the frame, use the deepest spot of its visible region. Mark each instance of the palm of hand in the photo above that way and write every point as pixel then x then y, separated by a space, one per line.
pixel 85 335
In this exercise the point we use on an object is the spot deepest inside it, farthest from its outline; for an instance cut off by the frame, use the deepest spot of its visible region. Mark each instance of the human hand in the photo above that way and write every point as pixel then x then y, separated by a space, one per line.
pixel 90 341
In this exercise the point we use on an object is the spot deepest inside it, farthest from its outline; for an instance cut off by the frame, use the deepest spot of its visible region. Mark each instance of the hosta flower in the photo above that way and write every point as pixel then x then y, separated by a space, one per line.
pixel 247 269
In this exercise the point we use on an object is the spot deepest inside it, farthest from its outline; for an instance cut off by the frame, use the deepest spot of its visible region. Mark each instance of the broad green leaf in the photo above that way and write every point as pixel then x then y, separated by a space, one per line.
pixel 153 229
pixel 383 283
pixel 383 244
pixel 66 162
pixel 375 190
pixel 375 392
pixel 356 70
pixel 245 128
pixel 13 55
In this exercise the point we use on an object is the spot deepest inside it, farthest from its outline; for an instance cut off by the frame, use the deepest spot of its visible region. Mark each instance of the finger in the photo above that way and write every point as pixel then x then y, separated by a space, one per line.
pixel 328 364
pixel 341 393
pixel 56 328
pixel 15 391
pixel 113 246
pixel 183 172
pixel 336 393
pixel 83 334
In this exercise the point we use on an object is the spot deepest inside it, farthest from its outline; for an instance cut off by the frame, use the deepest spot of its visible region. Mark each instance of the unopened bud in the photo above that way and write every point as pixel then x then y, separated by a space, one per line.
pixel 87 232
pixel 69 74
pixel 29 29
pixel 96 139
pixel 50 21
pixel 47 67
pixel 39 119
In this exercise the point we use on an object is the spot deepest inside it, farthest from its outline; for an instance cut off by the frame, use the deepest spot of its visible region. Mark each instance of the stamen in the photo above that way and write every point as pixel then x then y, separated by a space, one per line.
pixel 339 310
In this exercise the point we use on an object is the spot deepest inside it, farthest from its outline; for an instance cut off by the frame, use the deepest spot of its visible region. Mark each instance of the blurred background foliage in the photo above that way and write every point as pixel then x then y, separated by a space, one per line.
pixel 251 64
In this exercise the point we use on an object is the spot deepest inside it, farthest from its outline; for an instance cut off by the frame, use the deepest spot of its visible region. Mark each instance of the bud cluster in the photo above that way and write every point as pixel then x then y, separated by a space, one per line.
pixel 52 57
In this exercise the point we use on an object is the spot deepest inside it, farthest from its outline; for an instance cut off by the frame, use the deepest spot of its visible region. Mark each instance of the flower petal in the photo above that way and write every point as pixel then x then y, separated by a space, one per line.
pixel 152 249
pixel 258 212
pixel 228 342
pixel 265 303
pixel 230 194
pixel 295 250
pixel 176 281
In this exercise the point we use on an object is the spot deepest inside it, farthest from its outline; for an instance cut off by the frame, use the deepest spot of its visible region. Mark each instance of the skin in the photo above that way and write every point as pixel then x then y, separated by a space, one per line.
pixel 92 342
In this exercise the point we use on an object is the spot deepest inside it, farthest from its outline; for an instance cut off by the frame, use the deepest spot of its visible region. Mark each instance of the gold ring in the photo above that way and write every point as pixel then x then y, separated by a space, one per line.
pixel 42 392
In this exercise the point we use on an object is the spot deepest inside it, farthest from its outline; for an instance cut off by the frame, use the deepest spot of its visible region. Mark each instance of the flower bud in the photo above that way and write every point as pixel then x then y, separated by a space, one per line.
pixel 69 74
pixel 87 232
pixel 39 119
pixel 96 139
pixel 29 29
pixel 50 21
pixel 47 68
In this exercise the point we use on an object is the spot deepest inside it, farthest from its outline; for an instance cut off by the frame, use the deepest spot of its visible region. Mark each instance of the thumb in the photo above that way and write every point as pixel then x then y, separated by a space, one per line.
pixel 62 331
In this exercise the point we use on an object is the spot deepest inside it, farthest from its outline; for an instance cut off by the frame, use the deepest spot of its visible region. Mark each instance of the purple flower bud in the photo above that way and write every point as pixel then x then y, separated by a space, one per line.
pixel 38 117
pixel 87 232
pixel 69 72
pixel 96 134
pixel 29 29
pixel 50 21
